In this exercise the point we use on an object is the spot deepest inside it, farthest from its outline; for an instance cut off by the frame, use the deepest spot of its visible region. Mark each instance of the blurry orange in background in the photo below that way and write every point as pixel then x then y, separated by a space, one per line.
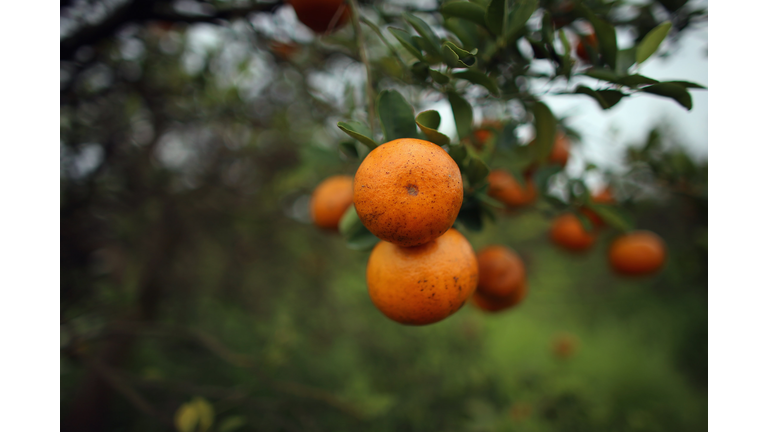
pixel 321 16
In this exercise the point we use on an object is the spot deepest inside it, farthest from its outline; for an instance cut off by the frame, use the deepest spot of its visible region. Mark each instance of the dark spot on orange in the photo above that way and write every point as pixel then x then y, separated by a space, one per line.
pixel 413 190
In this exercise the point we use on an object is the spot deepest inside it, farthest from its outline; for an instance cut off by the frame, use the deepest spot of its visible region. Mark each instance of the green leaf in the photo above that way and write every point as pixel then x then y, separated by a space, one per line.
pixel 194 416
pixel 519 15
pixel 546 125
pixel 612 215
pixel 635 80
pixel 462 114
pixel 428 122
pixel 465 10
pixel 439 77
pixel 494 16
pixel 606 98
pixel 396 116
pixel 476 170
pixel 231 424
pixel 406 40
pixel 584 220
pixel 458 57
pixel 688 84
pixel 547 29
pixel 624 60
pixel 349 149
pixel 602 74
pixel 652 41
pixel 420 70
pixel 356 235
pixel 479 78
pixel 567 62
pixel 423 29
pixel 458 152
pixel 542 175
pixel 675 91
pixel 606 36
pixel 359 132
pixel 467 32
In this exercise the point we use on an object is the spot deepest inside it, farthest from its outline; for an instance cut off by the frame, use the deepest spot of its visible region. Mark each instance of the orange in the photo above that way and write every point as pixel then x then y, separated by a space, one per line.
pixel 581 50
pixel 568 232
pixel 330 200
pixel 408 191
pixel 501 271
pixel 485 130
pixel 560 150
pixel 637 253
pixel 603 197
pixel 564 346
pixel 321 15
pixel 423 284
pixel 496 304
pixel 506 189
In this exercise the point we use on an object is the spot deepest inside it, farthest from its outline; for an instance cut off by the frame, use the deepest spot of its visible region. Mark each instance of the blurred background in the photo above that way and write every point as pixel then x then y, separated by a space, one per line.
pixel 192 135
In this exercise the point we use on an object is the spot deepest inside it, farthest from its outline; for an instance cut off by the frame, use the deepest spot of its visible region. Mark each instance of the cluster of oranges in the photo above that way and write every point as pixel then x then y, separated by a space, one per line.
pixel 408 193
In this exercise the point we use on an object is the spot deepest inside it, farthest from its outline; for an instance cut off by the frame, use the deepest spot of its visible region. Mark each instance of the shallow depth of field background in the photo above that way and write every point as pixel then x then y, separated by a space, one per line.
pixel 189 266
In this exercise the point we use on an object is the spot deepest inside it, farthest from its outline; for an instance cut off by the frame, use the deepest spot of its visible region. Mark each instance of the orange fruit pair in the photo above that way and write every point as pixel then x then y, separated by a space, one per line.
pixel 502 283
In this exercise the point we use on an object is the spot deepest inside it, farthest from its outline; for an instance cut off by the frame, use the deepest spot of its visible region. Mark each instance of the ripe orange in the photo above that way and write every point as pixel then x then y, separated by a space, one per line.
pixel 560 150
pixel 501 271
pixel 581 49
pixel 637 253
pixel 408 192
pixel 330 200
pixel 485 130
pixel 321 15
pixel 496 304
pixel 568 232
pixel 603 197
pixel 564 345
pixel 422 284
pixel 506 189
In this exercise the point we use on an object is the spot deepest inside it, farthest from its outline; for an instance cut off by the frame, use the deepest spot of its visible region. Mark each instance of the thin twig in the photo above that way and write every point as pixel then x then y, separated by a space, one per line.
pixel 364 57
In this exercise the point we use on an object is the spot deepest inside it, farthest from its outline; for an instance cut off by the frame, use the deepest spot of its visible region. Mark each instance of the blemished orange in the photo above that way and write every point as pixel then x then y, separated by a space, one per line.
pixel 497 304
pixel 423 284
pixel 560 150
pixel 568 232
pixel 321 15
pixel 637 253
pixel 603 197
pixel 504 187
pixel 408 191
pixel 501 271
pixel 330 200
pixel 581 49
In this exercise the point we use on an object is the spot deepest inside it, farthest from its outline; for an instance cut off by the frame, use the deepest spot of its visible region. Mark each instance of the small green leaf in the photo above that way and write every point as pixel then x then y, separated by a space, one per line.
pixel 439 77
pixel 546 125
pixel 462 114
pixel 494 16
pixel 423 29
pixel 602 74
pixel 688 84
pixel 675 91
pixel 420 70
pixel 458 57
pixel 624 60
pixel 231 424
pixel 547 29
pixel 543 174
pixel 467 32
pixel 606 98
pixel 479 78
pixel 359 132
pixel 652 41
pixel 612 215
pixel 428 122
pixel 567 62
pixel 349 149
pixel 476 170
pixel 396 116
pixel 518 15
pixel 458 152
pixel 635 80
pixel 406 40
pixel 465 10
pixel 356 235
pixel 606 36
